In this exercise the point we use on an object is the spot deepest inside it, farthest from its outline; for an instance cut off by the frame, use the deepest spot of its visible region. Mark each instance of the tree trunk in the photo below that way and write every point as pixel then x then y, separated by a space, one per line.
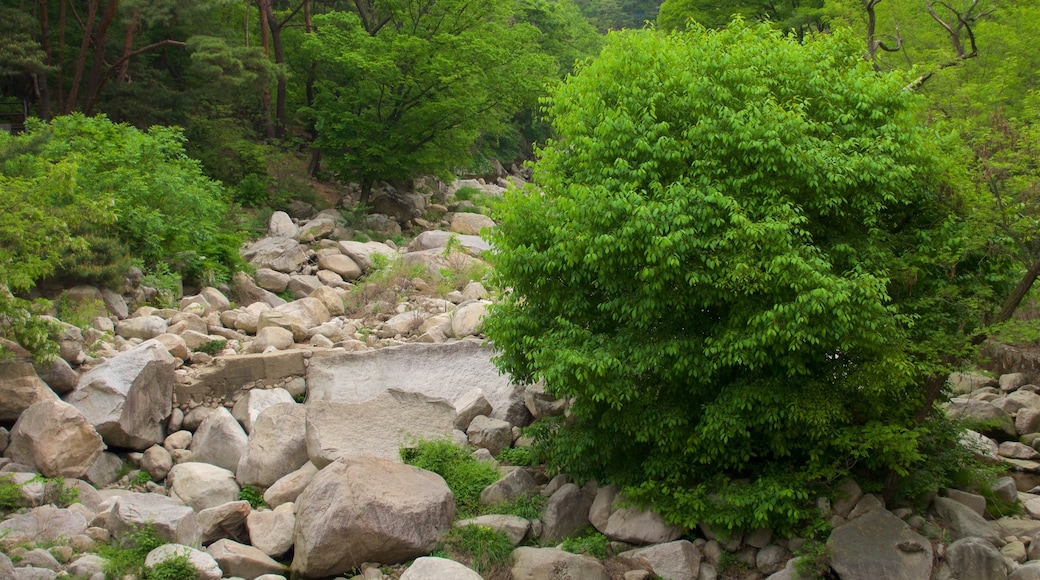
pixel 1020 291
pixel 279 59
pixel 41 78
pixel 98 69
pixel 81 61
pixel 61 53
pixel 265 96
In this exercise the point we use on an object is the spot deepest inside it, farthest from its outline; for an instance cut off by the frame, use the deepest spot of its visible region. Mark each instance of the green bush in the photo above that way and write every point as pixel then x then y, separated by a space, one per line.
pixel 254 496
pixel 212 347
pixel 744 265
pixel 126 555
pixel 483 549
pixel 10 494
pixel 522 456
pixel 175 568
pixel 466 476
pixel 590 542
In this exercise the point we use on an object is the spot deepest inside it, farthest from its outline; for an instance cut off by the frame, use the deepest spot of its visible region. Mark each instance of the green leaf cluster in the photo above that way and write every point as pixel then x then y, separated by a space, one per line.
pixel 740 263
pixel 465 476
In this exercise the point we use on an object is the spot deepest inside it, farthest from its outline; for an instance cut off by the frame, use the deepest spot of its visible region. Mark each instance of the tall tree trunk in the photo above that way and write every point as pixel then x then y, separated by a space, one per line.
pixel 81 61
pixel 41 78
pixel 312 76
pixel 1020 291
pixel 128 45
pixel 279 59
pixel 98 69
pixel 61 52
pixel 265 96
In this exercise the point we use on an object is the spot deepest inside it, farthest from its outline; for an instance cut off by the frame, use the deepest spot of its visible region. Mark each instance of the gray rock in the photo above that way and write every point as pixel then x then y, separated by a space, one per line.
pixel 301 286
pixel 281 226
pixel 1029 571
pixel 880 545
pixel 515 528
pixel 43 524
pixel 157 461
pixel 271 531
pixel 280 254
pixel 640 526
pixel 241 560
pixel 348 269
pixel 276 447
pixel 976 502
pixel 85 566
pixel 224 521
pixel 205 566
pixel 362 253
pixel 470 223
pixel 542 404
pixel 468 406
pixel 975 558
pixel 58 375
pixel 566 512
pixel 255 401
pixel 516 484
pixel 54 438
pixel 846 495
pixel 201 485
pixel 105 469
pixel 771 559
pixel 429 568
pixel 143 327
pixel 963 522
pixel 984 412
pixel 446 371
pixel 679 560
pixel 467 320
pixel 272 337
pixel 438 239
pixel 272 280
pixel 387 512
pixel 219 440
pixel 337 430
pixel 249 293
pixel 1012 381
pixel 542 563
pixel 491 434
pixel 128 398
pixel 968 382
pixel 20 388
pixel 172 521
pixel 290 486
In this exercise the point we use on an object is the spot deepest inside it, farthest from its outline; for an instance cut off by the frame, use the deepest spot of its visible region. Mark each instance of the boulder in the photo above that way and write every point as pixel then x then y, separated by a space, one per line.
pixel 515 528
pixel 1001 425
pixel 274 337
pixel 879 545
pixel 362 253
pixel 279 254
pixel 331 299
pixel 318 228
pixel 301 286
pixel 256 401
pixel 566 512
pixel 437 239
pixel 271 280
pixel 470 223
pixel 340 264
pixel 171 520
pixel 277 445
pixel 20 388
pixel 541 403
pixel 128 398
pixel 1012 381
pixel 516 484
pixel 56 372
pixel 974 558
pixel 54 438
pixel 143 327
pixel 224 521
pixel 206 567
pixel 249 293
pixel 963 383
pixel 386 512
pixel 201 485
pixel 43 524
pixel 290 486
pixel 242 560
pixel 468 406
pixel 447 371
pixel 639 526
pixel 271 531
pixel 679 560
pixel 219 440
pixel 337 430
pixel 491 434
pixel 430 568
pixel 963 522
pixel 467 320
pixel 157 461
pixel 542 563
pixel 175 345
pixel 225 378
pixel 281 226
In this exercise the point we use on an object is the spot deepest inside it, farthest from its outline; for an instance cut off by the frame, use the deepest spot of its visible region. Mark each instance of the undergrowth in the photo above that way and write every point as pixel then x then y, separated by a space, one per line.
pixel 482 548
pixel 465 476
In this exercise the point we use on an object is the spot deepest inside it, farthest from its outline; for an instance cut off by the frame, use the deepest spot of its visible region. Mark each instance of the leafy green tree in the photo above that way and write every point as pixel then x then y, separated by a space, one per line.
pixel 797 16
pixel 619 14
pixel 745 265
pixel 409 93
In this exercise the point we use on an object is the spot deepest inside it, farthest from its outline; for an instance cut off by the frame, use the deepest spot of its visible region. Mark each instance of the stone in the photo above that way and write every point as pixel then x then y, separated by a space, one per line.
pixel 172 521
pixel 224 521
pixel 470 223
pixel 468 406
pixel 201 485
pixel 1016 450
pixel 1029 571
pixel 302 286
pixel 516 484
pixel 362 253
pixel 467 320
pixel 271 280
pixel 178 440
pixel 242 560
pixel 205 566
pixel 1014 551
pixel 331 299
pixel 491 434
pixel 640 526
pixel 846 495
pixel 866 504
pixel 963 522
pixel 1002 425
pixel 290 486
pixel 143 327
pixel 219 440
pixel 55 439
pixel 20 388
pixel 224 379
pixel 475 291
pixel 515 528
pixel 1018 400
pixel 157 461
pixel 57 373
pixel 83 567
pixel 255 401
pixel 566 512
pixel 975 558
pixel 1012 381
pixel 436 239
pixel 105 469
pixel 279 254
pixel 249 293
pixel 973 500
pixel 430 568
pixel 678 560
pixel 277 445
pixel 272 337
pixel 281 226
pixel 337 430
pixel 542 404
pixel 962 383
pixel 128 398
pixel 879 545
pixel 602 507
pixel 446 371
pixel 43 524
pixel 1004 488
pixel 340 264
pixel 542 563
pixel 271 531
pixel 387 512
pixel 174 345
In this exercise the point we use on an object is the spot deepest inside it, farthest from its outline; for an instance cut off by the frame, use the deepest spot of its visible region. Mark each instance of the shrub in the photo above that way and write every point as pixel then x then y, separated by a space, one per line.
pixel 590 542
pixel 126 555
pixel 254 496
pixel 175 568
pixel 466 476
pixel 483 549
pixel 212 347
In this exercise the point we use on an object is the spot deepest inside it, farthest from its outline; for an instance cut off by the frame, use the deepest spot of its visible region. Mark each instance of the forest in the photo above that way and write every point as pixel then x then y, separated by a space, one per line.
pixel 161 133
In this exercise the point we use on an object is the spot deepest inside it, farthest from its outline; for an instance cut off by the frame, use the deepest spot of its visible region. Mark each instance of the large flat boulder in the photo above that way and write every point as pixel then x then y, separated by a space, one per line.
pixel 379 426
pixel 128 398
pixel 386 512
pixel 171 520
pixel 276 447
pixel 219 440
pixel 541 563
pixel 56 439
pixel 229 374
pixel 43 524
pixel 20 387
pixel 201 485
pixel 879 545
pixel 447 371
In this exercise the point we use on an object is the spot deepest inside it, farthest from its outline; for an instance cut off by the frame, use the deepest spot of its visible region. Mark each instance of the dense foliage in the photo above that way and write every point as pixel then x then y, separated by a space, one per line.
pixel 742 264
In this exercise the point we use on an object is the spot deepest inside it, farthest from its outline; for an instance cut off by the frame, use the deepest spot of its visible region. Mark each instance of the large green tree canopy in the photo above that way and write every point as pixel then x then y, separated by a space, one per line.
pixel 740 260
pixel 408 90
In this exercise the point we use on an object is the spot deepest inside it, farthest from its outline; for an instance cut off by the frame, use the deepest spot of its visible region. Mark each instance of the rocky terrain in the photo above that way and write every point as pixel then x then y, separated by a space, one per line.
pixel 261 438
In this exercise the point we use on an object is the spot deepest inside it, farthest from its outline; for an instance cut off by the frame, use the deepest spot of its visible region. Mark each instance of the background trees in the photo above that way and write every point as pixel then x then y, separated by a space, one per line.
pixel 742 265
